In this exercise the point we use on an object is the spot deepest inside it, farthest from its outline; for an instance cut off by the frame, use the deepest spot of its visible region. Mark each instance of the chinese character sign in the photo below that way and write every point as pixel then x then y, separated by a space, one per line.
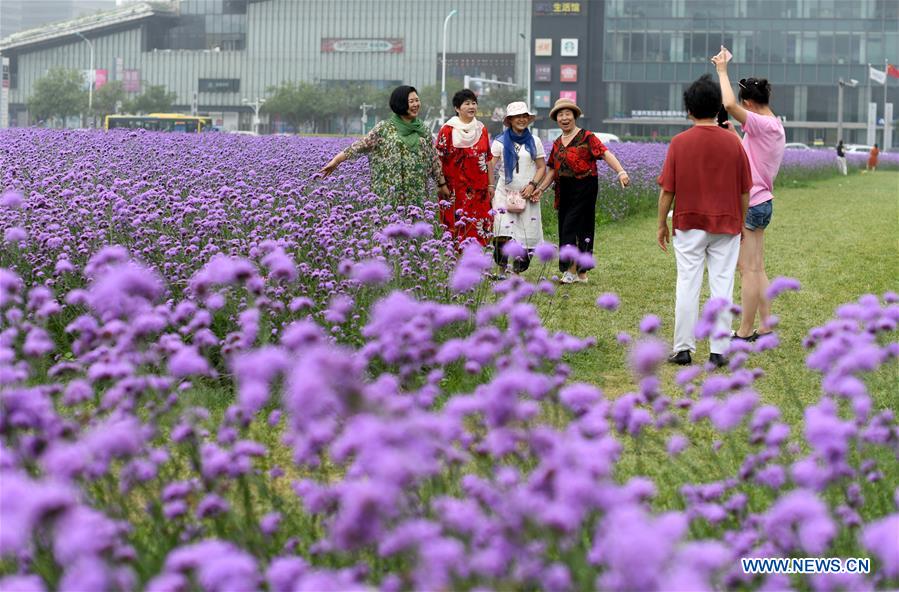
pixel 543 73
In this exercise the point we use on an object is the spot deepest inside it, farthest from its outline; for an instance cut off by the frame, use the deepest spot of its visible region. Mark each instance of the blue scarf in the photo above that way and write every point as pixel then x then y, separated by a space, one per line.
pixel 510 156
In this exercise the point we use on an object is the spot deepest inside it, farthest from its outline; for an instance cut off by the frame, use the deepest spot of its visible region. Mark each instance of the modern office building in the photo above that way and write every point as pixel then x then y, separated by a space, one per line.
pixel 653 48
pixel 626 62
pixel 226 51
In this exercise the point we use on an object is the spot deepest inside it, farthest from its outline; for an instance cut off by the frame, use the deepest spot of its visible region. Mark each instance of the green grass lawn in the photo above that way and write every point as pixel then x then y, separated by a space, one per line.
pixel 837 236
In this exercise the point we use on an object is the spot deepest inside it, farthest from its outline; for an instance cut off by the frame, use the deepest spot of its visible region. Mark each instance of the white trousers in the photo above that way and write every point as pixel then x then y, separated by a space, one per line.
pixel 693 250
pixel 841 164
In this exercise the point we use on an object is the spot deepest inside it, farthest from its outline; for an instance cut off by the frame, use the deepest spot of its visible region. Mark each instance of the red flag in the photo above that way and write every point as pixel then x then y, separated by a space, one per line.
pixel 892 71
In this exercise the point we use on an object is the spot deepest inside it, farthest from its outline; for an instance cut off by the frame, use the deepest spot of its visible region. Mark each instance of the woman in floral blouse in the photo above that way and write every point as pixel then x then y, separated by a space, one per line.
pixel 573 163
pixel 463 146
pixel 400 154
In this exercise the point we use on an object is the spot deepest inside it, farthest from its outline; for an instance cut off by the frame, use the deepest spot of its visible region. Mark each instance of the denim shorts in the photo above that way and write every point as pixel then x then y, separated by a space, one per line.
pixel 759 216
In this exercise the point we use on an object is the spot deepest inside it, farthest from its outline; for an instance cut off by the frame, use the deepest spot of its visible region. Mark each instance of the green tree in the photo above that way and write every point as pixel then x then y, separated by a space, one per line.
pixel 155 99
pixel 59 94
pixel 299 103
pixel 106 98
pixel 430 99
pixel 345 101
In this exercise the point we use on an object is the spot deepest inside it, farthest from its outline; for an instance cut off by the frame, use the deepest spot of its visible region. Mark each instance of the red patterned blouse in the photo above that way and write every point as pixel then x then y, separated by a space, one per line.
pixel 577 160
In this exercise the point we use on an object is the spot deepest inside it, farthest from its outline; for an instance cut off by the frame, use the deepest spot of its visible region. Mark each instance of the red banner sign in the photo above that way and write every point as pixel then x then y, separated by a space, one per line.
pixel 333 45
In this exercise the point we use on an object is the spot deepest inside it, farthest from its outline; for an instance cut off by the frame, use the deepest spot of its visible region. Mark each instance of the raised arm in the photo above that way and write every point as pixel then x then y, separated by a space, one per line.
pixel 727 92
pixel 360 146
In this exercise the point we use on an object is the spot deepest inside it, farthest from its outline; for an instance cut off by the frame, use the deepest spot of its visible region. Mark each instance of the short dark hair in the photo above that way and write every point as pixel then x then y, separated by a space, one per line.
pixel 702 99
pixel 757 90
pixel 399 99
pixel 462 96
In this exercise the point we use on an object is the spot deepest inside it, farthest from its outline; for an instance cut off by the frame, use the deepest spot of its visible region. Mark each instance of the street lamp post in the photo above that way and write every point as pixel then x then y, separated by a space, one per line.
pixel 452 13
pixel 90 88
pixel 527 48
pixel 256 105
pixel 365 107
pixel 851 83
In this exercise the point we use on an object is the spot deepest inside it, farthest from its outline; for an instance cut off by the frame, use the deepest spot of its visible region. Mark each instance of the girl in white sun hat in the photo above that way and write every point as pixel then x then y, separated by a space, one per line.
pixel 522 165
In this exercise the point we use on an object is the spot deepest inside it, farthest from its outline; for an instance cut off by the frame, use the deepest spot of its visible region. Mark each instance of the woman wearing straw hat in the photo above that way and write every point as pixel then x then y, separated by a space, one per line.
pixel 573 164
pixel 516 201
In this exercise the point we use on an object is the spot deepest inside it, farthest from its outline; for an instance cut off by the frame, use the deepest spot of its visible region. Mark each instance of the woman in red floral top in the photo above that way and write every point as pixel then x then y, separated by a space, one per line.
pixel 463 146
pixel 573 163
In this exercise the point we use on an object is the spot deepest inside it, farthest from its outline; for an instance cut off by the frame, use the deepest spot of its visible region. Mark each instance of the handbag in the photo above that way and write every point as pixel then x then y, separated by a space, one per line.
pixel 514 202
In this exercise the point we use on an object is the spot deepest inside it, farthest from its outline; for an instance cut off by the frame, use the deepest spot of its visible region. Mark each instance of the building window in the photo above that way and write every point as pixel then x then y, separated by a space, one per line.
pixel 234 7
pixel 219 25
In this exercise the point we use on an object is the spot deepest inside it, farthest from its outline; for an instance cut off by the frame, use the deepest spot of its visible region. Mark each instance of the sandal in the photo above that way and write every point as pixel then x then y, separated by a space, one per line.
pixel 749 338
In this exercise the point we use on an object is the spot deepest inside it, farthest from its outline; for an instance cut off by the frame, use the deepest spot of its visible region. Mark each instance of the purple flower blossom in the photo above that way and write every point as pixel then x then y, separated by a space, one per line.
pixel 608 301
pixel 545 252
pixel 371 273
pixel 781 284
pixel 646 355
pixel 650 324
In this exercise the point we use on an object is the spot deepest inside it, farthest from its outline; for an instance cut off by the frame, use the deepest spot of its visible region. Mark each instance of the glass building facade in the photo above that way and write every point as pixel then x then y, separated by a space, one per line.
pixel 219 25
pixel 653 48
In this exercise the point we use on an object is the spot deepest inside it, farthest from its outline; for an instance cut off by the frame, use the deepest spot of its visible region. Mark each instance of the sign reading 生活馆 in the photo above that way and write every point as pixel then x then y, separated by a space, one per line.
pixel 335 45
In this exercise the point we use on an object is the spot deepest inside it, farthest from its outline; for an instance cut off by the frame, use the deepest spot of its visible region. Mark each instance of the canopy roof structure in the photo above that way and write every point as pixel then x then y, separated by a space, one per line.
pixel 94 23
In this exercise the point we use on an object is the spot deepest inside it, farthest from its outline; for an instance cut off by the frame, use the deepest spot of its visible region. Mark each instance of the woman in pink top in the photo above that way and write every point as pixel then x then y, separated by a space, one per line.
pixel 763 141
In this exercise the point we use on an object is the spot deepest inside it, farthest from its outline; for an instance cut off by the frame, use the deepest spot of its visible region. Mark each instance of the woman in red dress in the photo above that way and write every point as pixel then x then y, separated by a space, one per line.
pixel 463 146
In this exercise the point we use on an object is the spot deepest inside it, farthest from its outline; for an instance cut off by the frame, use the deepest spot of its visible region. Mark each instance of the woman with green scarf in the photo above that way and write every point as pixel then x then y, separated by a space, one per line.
pixel 401 154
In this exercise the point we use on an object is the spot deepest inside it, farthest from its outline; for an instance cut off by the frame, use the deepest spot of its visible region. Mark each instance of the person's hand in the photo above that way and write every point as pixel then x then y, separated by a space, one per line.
pixel 664 237
pixel 721 58
pixel 491 190
pixel 444 192
pixel 729 126
pixel 528 191
pixel 329 168
pixel 624 179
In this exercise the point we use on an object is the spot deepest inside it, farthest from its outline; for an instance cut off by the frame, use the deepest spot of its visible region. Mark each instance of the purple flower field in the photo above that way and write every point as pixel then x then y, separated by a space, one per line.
pixel 219 372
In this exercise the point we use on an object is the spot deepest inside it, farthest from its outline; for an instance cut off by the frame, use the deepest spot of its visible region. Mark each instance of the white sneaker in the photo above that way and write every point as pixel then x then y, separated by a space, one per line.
pixel 568 278
pixel 581 280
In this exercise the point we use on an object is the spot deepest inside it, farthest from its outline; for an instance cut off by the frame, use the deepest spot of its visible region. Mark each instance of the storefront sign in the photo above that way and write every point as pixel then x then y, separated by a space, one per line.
pixel 541 99
pixel 543 73
pixel 131 80
pixel 219 85
pixel 559 8
pixel 4 94
pixel 568 73
pixel 568 48
pixel 568 94
pixel 333 45
pixel 101 77
pixel 543 47
pixel 649 114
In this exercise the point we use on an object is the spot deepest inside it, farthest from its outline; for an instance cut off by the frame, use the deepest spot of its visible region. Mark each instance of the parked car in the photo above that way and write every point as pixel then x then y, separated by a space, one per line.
pixel 856 148
pixel 796 146
pixel 606 138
